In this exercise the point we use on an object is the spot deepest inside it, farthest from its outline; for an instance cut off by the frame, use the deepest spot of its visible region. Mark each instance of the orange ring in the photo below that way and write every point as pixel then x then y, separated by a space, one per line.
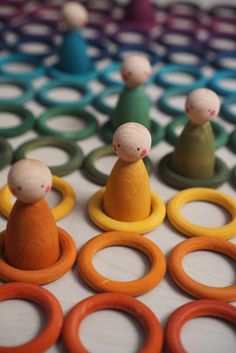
pixel 114 238
pixel 188 284
pixel 186 312
pixel 45 275
pixel 151 325
pixel 49 335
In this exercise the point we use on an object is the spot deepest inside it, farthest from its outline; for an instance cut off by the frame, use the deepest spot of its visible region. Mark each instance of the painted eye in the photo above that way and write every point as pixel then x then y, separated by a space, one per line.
pixel 191 107
pixel 19 188
pixel 118 145
pixel 129 73
pixel 209 110
pixel 42 186
pixel 138 149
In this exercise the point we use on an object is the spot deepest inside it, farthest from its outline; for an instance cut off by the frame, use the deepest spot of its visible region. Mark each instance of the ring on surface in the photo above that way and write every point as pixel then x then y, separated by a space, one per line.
pixel 232 141
pixel 197 52
pixel 178 181
pixel 190 285
pixel 97 215
pixel 23 59
pixel 99 101
pixel 164 104
pixel 86 98
pixel 68 146
pixel 6 153
pixel 144 49
pixel 221 136
pixel 226 111
pixel 220 63
pixel 118 301
pixel 89 119
pixel 102 51
pixel 193 71
pixel 26 117
pixel 59 211
pixel 45 275
pixel 94 174
pixel 134 288
pixel 186 312
pixel 25 86
pixel 215 82
pixel 51 307
pixel 48 43
pixel 156 130
pixel 202 194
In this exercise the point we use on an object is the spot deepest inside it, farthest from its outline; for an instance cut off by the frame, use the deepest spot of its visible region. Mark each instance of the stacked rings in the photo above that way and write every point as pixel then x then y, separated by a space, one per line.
pixel 25 115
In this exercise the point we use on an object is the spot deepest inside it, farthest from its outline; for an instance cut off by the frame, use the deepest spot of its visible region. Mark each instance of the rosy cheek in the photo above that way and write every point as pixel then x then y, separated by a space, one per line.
pixel 47 189
pixel 143 153
pixel 212 113
pixel 187 110
pixel 13 191
pixel 148 75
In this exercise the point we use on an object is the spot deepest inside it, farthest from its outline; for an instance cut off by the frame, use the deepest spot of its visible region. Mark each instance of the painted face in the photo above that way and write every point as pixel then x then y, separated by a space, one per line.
pixel 131 142
pixel 136 70
pixel 29 180
pixel 75 15
pixel 202 105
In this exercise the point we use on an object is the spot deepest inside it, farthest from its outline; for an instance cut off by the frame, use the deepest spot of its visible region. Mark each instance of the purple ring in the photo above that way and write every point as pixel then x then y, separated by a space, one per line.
pixel 115 37
pixel 175 8
pixel 39 13
pixel 216 12
pixel 209 42
pixel 216 23
pixel 172 18
pixel 192 43
pixel 18 9
pixel 20 28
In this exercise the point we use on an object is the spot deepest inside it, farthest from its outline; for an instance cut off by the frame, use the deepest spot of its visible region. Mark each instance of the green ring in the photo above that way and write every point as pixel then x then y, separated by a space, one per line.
pixel 234 175
pixel 27 88
pixel 6 153
pixel 221 136
pixel 157 132
pixel 25 115
pixel 70 147
pixel 232 141
pixel 181 182
pixel 89 119
pixel 94 174
pixel 79 87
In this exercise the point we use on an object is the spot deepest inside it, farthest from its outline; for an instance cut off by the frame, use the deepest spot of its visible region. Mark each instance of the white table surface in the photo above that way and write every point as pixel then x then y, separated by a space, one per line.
pixel 112 331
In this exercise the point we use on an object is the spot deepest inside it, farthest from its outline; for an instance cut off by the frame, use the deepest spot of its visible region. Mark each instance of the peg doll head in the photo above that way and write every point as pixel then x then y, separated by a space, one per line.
pixel 136 70
pixel 75 15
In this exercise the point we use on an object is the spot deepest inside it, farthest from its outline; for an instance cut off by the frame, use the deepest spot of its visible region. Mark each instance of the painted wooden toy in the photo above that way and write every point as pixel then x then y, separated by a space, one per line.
pixel 139 14
pixel 133 103
pixel 193 162
pixel 74 61
pixel 127 203
pixel 32 240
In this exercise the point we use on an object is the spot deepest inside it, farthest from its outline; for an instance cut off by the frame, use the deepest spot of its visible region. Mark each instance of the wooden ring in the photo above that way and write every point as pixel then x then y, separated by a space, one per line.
pixel 50 333
pixel 59 211
pixel 190 311
pixel 151 325
pixel 115 238
pixel 187 283
pixel 45 275
pixel 202 194
pixel 105 222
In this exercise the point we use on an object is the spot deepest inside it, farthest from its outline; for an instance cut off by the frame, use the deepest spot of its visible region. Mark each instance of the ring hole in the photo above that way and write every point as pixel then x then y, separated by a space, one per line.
pixel 175 39
pixel 131 37
pixel 36 29
pixel 117 331
pixel 185 58
pixel 49 155
pixel 106 163
pixel 177 77
pixel 229 83
pixel 115 75
pixel 207 334
pixel 212 268
pixel 230 63
pixel 7 10
pixel 13 319
pixel 225 27
pixel 232 108
pixel 8 91
pixel 223 43
pixel 93 51
pixel 206 214
pixel 66 123
pixel 182 23
pixel 8 120
pixel 177 101
pixel 18 67
pixel 64 94
pixel 34 48
pixel 53 198
pixel 134 264
pixel 112 99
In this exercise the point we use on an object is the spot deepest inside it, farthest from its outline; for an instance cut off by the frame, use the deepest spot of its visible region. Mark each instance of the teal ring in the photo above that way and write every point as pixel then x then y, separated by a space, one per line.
pixel 94 174
pixel 181 182
pixel 70 147
pixel 215 85
pixel 22 58
pixel 27 88
pixel 234 176
pixel 79 87
pixel 90 128
pixel 6 153
pixel 221 136
pixel 164 105
pixel 200 80
pixel 157 132
pixel 25 115
pixel 232 141
pixel 226 112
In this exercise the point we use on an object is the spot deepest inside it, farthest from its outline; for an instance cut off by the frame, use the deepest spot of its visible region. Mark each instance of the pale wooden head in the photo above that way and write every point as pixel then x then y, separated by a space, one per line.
pixel 131 142
pixel 29 180
pixel 202 105
pixel 136 70
pixel 74 15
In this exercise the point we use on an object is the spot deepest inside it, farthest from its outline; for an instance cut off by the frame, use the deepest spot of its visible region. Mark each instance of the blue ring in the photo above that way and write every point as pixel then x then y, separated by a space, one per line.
pixel 214 82
pixel 226 113
pixel 200 54
pixel 107 80
pixel 217 62
pixel 52 48
pixel 19 28
pixel 103 52
pixel 191 70
pixel 27 88
pixel 115 36
pixel 37 72
pixel 79 103
pixel 146 49
pixel 164 105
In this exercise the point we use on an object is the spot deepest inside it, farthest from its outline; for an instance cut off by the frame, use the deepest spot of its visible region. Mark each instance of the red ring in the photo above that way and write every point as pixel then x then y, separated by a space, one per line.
pixel 186 312
pixel 50 333
pixel 123 302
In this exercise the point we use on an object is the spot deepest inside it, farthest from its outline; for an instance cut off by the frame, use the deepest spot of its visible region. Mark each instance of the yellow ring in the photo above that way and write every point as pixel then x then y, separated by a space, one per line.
pixel 202 194
pixel 105 222
pixel 59 211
